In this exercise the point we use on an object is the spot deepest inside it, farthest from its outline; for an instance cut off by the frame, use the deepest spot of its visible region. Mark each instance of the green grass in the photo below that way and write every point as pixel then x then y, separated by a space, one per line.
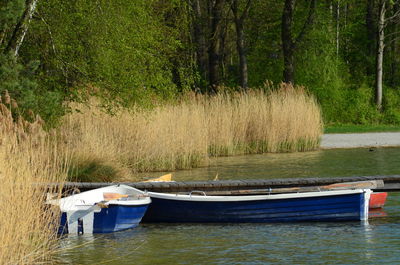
pixel 352 128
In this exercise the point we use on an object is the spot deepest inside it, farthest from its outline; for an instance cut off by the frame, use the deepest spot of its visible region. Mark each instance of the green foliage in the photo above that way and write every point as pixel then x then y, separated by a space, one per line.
pixel 143 51
pixel 123 49
pixel 264 44
pixel 19 81
pixel 392 106
pixel 10 11
pixel 319 68
pixel 357 106
pixel 345 94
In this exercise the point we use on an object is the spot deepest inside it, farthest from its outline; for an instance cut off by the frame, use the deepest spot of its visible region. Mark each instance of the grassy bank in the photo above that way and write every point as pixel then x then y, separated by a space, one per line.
pixel 353 128
pixel 186 134
pixel 28 157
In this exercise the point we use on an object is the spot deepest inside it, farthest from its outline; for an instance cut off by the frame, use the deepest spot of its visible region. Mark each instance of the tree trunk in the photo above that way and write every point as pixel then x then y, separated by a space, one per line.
pixel 213 51
pixel 199 38
pixel 242 55
pixel 21 28
pixel 337 27
pixel 395 49
pixel 371 33
pixel 379 54
pixel 287 41
pixel 240 41
pixel 223 33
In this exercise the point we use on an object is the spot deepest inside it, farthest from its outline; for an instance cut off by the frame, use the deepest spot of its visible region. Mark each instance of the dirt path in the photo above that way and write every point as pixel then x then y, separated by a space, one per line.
pixel 355 140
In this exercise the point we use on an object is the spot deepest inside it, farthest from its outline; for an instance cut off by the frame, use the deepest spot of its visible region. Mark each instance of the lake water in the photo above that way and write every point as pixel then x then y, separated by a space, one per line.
pixel 377 241
pixel 324 163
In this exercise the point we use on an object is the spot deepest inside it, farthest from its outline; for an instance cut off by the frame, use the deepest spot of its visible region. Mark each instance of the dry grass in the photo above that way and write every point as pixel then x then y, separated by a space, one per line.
pixel 284 120
pixel 184 135
pixel 106 148
pixel 28 158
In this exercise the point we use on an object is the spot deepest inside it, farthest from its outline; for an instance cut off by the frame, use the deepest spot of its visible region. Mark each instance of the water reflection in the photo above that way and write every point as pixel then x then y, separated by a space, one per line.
pixel 323 163
pixel 377 241
pixel 114 248
pixel 344 243
pixel 376 213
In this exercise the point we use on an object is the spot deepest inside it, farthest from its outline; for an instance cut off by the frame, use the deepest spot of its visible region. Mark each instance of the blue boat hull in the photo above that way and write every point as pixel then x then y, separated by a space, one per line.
pixel 112 219
pixel 325 208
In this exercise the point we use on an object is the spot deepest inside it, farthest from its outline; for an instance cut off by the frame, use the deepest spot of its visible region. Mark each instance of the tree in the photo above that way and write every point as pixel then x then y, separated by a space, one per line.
pixel 371 32
pixel 199 23
pixel 20 30
pixel 379 53
pixel 289 42
pixel 382 24
pixel 240 40
pixel 395 60
pixel 214 45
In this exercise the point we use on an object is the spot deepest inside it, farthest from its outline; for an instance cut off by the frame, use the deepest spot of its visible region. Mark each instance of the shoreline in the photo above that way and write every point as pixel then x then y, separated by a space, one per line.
pixel 359 140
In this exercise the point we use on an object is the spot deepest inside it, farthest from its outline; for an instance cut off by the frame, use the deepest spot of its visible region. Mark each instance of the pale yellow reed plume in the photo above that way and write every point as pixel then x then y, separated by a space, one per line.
pixel 185 134
pixel 28 161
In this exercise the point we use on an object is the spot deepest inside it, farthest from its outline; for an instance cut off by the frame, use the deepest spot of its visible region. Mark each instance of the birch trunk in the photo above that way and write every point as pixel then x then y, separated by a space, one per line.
pixel 21 28
pixel 379 54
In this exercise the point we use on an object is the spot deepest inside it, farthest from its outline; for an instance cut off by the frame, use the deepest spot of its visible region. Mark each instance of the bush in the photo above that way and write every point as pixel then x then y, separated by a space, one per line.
pixel 391 106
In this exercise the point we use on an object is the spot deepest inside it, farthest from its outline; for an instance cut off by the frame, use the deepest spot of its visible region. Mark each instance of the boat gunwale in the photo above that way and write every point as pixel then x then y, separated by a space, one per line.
pixel 136 202
pixel 235 198
pixel 81 201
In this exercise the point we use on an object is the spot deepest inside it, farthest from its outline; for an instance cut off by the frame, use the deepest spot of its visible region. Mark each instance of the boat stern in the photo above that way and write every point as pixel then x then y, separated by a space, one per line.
pixel 365 204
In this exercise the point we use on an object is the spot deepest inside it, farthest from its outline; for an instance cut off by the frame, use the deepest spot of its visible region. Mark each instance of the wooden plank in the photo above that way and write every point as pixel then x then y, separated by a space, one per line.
pixel 370 184
pixel 392 183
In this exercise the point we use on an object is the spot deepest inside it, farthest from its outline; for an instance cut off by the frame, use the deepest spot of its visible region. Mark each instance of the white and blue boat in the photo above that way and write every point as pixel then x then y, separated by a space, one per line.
pixel 104 210
pixel 333 205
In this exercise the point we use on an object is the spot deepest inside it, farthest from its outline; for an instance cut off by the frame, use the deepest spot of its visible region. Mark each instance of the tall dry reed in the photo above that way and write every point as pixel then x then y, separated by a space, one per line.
pixel 184 135
pixel 282 120
pixel 28 160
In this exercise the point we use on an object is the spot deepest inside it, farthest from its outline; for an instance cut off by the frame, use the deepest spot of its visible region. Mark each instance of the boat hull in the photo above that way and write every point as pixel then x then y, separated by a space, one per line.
pixel 104 210
pixel 377 200
pixel 336 206
pixel 112 219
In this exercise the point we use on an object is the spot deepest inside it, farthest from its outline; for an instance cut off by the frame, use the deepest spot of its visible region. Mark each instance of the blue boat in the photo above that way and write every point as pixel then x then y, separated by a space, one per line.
pixel 104 210
pixel 335 205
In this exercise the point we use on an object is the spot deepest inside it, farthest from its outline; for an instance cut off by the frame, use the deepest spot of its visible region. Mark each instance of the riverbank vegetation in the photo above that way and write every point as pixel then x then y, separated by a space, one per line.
pixel 138 52
pixel 352 128
pixel 185 134
pixel 141 85
pixel 93 145
pixel 29 158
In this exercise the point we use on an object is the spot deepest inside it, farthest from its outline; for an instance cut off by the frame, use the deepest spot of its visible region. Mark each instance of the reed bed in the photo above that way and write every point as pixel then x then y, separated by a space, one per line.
pixel 29 158
pixel 184 135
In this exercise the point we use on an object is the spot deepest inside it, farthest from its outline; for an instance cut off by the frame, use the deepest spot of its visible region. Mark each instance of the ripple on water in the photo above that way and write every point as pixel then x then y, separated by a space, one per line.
pixel 304 243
